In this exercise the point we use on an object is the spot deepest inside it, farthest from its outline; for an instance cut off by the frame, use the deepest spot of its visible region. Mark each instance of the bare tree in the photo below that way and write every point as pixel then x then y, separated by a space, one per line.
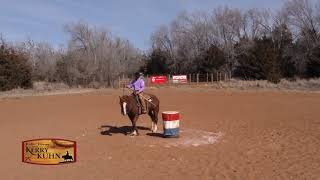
pixel 42 58
pixel 256 23
pixel 303 16
pixel 98 56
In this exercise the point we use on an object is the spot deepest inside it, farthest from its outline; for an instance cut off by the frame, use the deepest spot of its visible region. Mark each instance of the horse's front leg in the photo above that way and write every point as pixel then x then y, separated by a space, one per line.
pixel 134 127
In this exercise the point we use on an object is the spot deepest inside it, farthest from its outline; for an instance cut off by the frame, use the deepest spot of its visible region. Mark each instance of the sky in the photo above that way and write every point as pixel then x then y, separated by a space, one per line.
pixel 44 20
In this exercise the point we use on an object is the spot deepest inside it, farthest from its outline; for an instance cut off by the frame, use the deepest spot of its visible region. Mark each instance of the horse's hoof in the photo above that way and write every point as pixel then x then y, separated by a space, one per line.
pixel 134 133
pixel 154 129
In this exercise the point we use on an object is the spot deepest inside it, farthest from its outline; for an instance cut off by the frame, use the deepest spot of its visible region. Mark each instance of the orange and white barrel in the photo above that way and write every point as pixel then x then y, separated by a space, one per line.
pixel 171 120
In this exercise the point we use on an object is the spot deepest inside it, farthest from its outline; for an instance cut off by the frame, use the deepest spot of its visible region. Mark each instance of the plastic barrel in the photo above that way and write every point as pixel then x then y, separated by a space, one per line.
pixel 171 121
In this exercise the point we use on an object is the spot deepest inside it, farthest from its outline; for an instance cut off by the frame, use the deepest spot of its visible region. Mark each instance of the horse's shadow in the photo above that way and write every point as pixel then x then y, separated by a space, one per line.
pixel 118 130
pixel 155 135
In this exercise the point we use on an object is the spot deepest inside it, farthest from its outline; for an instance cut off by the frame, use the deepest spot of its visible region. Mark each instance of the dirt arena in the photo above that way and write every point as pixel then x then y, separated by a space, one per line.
pixel 226 134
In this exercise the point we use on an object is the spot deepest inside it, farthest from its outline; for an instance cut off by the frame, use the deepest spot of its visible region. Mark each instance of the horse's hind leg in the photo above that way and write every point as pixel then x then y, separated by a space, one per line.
pixel 154 117
pixel 152 120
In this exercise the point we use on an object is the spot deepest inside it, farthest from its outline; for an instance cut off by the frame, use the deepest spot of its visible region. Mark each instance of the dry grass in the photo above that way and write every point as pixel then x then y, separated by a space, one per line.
pixel 45 86
pixel 46 89
pixel 43 89
pixel 300 84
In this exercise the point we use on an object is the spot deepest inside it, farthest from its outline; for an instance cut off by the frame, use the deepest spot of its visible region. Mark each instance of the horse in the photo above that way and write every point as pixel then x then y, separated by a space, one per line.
pixel 129 106
pixel 67 157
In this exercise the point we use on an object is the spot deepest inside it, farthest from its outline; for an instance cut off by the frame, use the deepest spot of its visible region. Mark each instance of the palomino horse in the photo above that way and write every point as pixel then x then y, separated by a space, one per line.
pixel 130 107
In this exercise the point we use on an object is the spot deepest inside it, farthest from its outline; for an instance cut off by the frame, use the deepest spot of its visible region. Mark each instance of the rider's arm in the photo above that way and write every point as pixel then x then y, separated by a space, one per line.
pixel 141 86
pixel 130 86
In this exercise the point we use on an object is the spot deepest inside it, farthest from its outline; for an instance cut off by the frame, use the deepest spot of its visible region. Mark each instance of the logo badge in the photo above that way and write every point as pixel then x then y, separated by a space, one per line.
pixel 49 151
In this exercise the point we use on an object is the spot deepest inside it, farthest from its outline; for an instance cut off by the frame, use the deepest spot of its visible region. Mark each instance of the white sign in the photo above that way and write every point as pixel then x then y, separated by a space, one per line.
pixel 179 79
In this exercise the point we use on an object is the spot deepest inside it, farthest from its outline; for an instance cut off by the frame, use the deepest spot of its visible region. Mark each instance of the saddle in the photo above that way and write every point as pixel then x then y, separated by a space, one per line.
pixel 145 98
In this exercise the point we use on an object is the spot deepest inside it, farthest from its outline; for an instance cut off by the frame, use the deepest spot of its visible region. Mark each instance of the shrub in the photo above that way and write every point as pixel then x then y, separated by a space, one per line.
pixel 15 72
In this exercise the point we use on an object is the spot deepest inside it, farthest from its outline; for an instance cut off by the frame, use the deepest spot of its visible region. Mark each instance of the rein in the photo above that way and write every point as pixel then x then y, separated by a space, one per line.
pixel 142 96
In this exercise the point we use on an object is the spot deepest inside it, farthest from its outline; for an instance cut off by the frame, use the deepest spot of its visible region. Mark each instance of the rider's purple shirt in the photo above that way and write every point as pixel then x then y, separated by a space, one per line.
pixel 137 85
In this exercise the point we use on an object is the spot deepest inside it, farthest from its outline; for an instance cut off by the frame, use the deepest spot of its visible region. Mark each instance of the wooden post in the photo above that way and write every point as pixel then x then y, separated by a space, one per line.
pixel 217 76
pixel 190 78
pixel 225 76
pixel 207 78
pixel 197 78
pixel 212 78
pixel 147 80
pixel 119 83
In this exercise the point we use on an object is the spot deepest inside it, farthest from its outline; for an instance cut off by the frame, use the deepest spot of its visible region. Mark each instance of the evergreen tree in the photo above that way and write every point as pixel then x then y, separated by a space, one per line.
pixel 257 60
pixel 211 60
pixel 157 62
pixel 313 63
pixel 282 38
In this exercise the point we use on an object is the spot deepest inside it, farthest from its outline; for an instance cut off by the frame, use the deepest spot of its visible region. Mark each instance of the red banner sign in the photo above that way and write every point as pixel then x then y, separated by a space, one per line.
pixel 179 79
pixel 158 79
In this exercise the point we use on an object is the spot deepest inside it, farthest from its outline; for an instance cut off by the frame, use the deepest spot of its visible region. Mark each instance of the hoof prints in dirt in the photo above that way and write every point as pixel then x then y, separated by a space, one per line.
pixel 189 138
pixel 192 137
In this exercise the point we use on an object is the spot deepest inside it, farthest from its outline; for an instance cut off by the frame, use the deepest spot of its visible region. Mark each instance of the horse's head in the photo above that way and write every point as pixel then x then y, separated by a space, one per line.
pixel 123 105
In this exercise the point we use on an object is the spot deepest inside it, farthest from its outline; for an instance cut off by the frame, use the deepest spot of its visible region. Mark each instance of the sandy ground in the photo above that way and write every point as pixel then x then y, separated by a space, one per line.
pixel 225 135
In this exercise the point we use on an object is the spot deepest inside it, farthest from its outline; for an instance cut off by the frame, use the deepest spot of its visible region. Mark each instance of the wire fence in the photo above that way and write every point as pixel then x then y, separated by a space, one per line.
pixel 168 80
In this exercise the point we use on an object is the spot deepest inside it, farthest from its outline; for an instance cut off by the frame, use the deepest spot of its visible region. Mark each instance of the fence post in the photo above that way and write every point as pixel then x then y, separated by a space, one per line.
pixel 190 81
pixel 197 78
pixel 147 80
pixel 212 78
pixel 217 77
pixel 119 83
pixel 207 77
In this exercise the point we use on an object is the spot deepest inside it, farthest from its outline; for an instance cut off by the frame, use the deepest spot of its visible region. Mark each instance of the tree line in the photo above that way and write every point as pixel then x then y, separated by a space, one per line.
pixel 247 44
pixel 93 57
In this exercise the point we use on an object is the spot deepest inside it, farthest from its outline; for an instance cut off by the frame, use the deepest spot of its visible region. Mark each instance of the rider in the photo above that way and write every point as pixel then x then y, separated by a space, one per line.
pixel 137 85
